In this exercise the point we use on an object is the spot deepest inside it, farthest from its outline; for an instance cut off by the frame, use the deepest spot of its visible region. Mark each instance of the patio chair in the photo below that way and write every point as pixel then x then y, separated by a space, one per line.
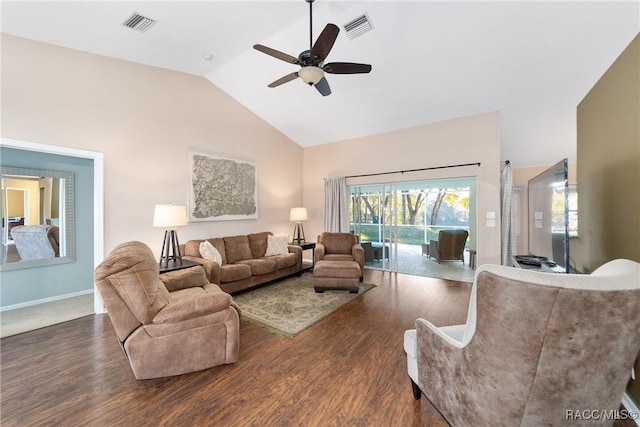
pixel 449 246
pixel 368 252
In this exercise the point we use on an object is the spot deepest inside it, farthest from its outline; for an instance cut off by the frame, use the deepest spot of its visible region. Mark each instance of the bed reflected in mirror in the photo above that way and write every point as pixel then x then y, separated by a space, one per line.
pixel 37 218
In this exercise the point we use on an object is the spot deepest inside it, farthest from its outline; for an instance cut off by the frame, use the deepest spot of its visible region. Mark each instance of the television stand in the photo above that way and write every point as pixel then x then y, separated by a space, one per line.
pixel 532 262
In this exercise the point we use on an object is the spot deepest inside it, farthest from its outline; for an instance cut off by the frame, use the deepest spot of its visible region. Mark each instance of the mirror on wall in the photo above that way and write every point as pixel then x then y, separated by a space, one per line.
pixel 37 209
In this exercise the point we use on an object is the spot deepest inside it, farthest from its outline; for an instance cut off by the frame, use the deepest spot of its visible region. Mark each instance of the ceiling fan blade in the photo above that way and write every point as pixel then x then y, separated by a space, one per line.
pixel 323 87
pixel 325 42
pixel 285 79
pixel 346 68
pixel 276 54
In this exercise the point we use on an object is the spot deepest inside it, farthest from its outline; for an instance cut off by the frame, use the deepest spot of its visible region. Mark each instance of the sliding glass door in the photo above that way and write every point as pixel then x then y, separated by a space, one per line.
pixel 396 223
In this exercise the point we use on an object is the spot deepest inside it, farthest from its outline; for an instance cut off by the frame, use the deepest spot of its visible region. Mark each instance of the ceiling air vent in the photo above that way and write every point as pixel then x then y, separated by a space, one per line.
pixel 358 26
pixel 138 22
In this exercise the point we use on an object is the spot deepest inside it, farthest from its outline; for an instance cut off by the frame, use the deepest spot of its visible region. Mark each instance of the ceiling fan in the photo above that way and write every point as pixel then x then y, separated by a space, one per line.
pixel 312 61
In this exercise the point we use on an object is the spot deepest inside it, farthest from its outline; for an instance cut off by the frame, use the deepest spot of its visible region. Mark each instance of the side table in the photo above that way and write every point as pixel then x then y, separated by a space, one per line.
pixel 307 246
pixel 174 265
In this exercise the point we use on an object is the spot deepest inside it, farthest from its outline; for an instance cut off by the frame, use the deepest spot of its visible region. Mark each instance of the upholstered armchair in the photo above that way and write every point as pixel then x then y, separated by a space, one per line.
pixel 449 246
pixel 36 241
pixel 167 324
pixel 339 247
pixel 535 345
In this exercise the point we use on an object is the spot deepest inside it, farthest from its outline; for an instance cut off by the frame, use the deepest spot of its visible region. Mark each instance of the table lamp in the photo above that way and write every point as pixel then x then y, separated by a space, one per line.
pixel 169 217
pixel 298 215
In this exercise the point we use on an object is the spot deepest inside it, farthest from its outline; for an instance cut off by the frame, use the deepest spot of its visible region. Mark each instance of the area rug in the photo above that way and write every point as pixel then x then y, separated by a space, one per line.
pixel 291 306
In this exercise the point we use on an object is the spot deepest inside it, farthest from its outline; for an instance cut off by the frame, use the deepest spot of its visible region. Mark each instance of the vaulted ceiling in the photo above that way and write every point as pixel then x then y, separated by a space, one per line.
pixel 431 60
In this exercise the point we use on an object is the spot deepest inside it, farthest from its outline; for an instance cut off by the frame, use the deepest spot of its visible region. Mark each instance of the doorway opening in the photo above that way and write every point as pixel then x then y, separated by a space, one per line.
pixel 398 222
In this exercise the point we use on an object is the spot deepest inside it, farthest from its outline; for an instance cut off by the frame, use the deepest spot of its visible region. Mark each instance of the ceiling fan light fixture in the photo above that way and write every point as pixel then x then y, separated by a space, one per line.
pixel 311 75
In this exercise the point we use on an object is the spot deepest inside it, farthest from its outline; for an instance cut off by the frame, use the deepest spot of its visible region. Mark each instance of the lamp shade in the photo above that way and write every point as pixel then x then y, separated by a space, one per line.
pixel 169 216
pixel 298 214
pixel 311 75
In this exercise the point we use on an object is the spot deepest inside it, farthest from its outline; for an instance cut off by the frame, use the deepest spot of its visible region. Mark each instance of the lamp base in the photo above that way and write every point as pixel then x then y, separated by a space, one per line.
pixel 298 233
pixel 170 249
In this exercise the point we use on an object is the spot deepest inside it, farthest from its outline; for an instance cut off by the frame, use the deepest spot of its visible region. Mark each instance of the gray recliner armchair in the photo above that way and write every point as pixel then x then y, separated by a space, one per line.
pixel 534 346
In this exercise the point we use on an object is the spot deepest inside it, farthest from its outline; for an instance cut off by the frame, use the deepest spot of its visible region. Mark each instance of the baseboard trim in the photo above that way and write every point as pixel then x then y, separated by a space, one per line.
pixel 45 300
pixel 630 406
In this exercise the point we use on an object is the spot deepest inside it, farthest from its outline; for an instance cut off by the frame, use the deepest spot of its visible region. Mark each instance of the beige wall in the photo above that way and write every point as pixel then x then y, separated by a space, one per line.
pixel 33 188
pixel 609 172
pixel 609 165
pixel 464 140
pixel 144 119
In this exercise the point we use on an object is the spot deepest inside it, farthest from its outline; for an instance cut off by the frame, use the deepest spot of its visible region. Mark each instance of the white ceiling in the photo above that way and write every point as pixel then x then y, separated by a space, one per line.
pixel 431 60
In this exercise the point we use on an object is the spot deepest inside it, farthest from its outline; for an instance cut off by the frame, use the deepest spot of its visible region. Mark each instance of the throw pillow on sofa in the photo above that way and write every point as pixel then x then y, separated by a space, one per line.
pixel 208 251
pixel 277 245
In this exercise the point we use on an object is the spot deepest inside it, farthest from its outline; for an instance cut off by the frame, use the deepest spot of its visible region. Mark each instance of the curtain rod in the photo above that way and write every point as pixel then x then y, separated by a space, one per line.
pixel 414 170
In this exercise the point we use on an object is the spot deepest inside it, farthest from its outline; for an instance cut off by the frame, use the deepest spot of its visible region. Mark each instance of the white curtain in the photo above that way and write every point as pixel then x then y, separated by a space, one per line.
pixel 336 205
pixel 508 214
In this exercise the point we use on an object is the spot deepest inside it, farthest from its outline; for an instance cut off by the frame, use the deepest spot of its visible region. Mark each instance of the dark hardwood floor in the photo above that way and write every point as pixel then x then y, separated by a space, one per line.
pixel 347 370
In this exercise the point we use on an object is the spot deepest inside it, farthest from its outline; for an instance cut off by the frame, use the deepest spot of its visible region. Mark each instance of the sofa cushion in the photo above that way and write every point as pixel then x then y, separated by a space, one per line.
pixel 183 279
pixel 338 257
pixel 258 243
pixel 192 248
pixel 277 245
pixel 260 266
pixel 237 248
pixel 208 251
pixel 285 261
pixel 234 272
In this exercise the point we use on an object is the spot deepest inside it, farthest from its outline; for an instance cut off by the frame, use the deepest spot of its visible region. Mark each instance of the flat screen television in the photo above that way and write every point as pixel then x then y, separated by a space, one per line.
pixel 549 217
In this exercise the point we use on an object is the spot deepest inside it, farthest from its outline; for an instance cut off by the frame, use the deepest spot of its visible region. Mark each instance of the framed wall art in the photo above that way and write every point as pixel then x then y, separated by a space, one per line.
pixel 221 189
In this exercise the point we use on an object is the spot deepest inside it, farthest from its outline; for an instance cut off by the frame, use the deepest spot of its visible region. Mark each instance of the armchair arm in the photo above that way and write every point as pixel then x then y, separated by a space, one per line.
pixel 452 335
pixel 319 252
pixel 297 250
pixel 358 255
pixel 211 268
pixel 190 308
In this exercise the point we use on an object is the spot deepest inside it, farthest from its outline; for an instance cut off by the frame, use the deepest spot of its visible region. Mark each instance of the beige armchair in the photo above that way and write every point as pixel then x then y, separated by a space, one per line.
pixel 535 346
pixel 339 247
pixel 167 324
pixel 449 246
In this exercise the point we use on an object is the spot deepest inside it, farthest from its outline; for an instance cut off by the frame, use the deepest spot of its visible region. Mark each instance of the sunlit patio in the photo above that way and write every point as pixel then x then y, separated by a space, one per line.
pixel 411 261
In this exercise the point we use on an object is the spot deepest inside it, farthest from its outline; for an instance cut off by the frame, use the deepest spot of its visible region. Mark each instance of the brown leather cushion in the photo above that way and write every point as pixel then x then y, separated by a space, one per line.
pixel 234 272
pixel 338 257
pixel 285 261
pixel 192 248
pixel 186 278
pixel 260 266
pixel 258 243
pixel 237 248
pixel 338 243
pixel 337 269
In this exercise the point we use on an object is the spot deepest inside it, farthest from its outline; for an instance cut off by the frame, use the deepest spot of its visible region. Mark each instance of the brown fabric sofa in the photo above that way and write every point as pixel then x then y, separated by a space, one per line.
pixel 167 324
pixel 244 264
